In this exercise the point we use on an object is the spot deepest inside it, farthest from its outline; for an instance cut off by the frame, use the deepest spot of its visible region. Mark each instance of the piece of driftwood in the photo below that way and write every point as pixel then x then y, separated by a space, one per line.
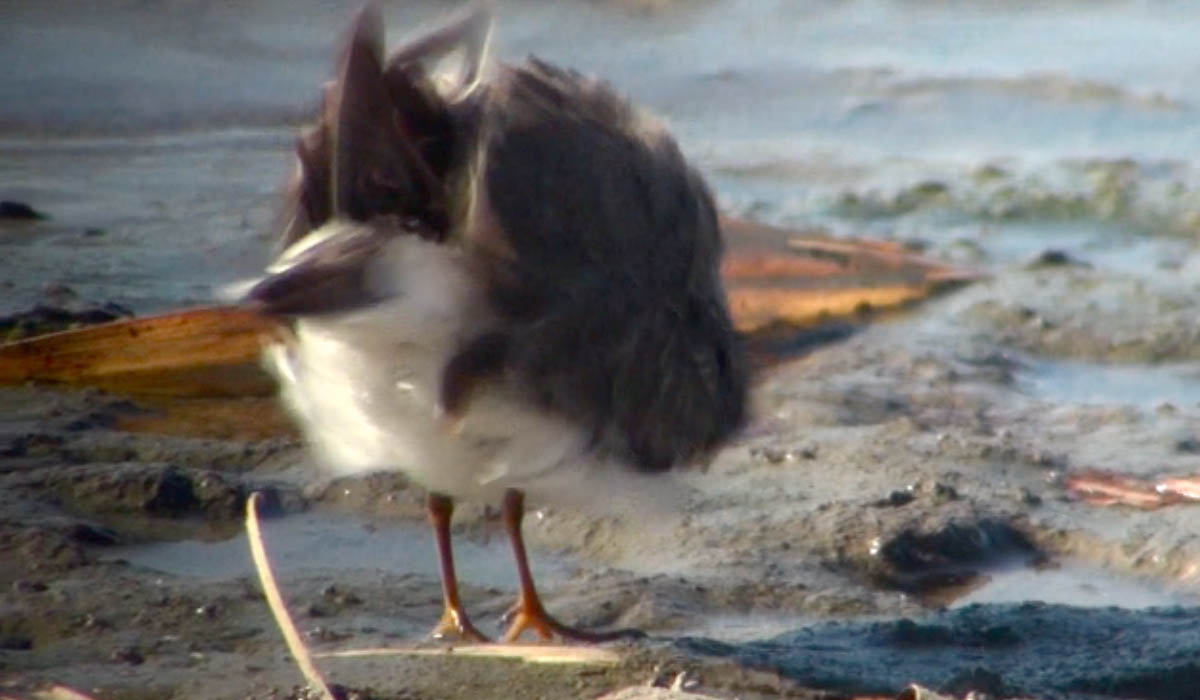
pixel 773 277
pixel 1107 488
pixel 209 351
pixel 777 277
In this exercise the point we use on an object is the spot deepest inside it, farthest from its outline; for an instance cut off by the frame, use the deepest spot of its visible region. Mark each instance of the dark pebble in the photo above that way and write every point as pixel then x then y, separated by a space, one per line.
pixel 91 622
pixel 172 494
pixel 15 643
pixel 944 492
pixel 895 499
pixel 128 655
pixel 340 597
pixel 19 211
pixel 1053 257
pixel 324 634
pixel 270 502
pixel 85 533
pixel 1188 445
pixel 32 445
pixel 46 318
pixel 208 610
pixel 955 544
pixel 773 455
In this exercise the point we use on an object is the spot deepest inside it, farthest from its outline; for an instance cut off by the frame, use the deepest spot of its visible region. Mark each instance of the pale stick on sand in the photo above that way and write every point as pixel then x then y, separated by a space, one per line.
pixel 288 628
pixel 532 653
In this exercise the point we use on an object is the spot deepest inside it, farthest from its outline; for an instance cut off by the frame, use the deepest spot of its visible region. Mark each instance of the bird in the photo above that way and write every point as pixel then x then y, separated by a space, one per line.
pixel 501 279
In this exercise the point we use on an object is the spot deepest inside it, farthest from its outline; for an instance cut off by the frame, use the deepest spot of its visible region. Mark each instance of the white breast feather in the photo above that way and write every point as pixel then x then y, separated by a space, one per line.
pixel 365 385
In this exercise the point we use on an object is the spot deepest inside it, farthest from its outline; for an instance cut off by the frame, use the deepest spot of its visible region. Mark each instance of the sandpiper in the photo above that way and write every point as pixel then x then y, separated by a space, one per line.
pixel 501 280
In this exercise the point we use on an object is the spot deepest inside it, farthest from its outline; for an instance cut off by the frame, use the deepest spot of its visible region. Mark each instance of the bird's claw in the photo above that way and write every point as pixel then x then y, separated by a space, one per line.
pixel 455 626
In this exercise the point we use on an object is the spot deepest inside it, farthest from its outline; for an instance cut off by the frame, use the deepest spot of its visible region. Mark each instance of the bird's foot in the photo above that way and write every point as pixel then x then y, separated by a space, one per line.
pixel 455 626
pixel 532 616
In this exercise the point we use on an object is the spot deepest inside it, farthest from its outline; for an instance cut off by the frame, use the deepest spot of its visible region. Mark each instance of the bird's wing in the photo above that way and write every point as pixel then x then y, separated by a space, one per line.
pixel 611 297
pixel 326 271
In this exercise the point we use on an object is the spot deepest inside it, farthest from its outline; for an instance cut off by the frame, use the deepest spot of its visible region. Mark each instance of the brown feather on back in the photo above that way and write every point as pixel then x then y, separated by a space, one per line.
pixel 597 244
pixel 612 300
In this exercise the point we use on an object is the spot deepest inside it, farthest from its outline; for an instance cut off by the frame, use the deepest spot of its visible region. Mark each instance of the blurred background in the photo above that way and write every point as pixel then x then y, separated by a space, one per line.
pixel 983 129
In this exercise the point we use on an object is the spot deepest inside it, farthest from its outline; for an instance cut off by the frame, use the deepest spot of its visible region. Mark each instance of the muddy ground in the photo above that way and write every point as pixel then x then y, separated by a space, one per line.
pixel 915 465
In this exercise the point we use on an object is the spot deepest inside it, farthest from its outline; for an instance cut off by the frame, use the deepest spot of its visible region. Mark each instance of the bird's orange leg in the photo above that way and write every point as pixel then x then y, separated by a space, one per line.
pixel 454 623
pixel 528 612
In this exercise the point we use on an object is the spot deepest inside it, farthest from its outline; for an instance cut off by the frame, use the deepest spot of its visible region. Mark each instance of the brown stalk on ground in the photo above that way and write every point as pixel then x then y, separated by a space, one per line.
pixel 774 278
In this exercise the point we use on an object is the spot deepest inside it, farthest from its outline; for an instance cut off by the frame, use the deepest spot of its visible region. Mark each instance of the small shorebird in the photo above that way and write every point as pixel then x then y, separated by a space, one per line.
pixel 499 280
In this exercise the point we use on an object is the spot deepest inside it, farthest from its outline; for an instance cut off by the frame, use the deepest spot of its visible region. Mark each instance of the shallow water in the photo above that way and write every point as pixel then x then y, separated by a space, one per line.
pixel 1088 383
pixel 322 544
pixel 1074 584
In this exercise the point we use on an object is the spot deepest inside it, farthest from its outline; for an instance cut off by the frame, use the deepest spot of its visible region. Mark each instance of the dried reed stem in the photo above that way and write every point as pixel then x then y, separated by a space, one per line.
pixel 290 634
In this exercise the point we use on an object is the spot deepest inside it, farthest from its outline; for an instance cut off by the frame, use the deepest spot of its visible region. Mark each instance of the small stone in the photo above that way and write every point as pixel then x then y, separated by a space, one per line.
pixel 16 643
pixel 1188 445
pixel 128 655
pixel 321 633
pixel 339 597
pixel 1053 257
pixel 86 533
pixel 895 499
pixel 1047 460
pixel 93 622
pixel 773 455
pixel 944 492
pixel 26 586
pixel 19 211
